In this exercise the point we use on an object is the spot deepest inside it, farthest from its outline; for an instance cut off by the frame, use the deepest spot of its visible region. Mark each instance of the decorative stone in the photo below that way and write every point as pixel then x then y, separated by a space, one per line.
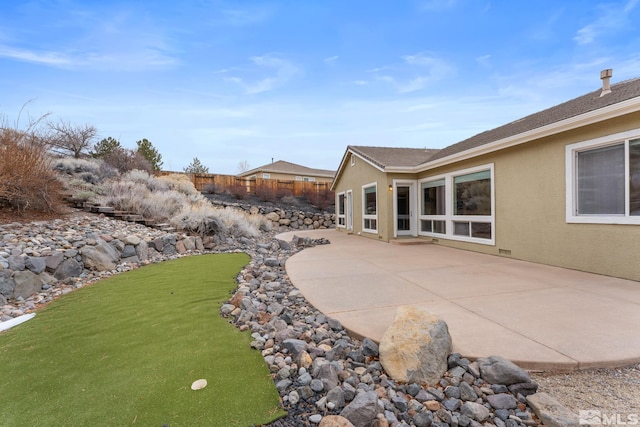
pixel 551 412
pixel 27 284
pixel 498 370
pixel 335 421
pixel 101 257
pixel 475 411
pixel 416 346
pixel 502 401
pixel 363 409
pixel 35 264
pixel 68 268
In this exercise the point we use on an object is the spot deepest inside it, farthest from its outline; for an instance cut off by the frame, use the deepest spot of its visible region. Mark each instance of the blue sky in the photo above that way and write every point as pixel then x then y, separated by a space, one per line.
pixel 248 81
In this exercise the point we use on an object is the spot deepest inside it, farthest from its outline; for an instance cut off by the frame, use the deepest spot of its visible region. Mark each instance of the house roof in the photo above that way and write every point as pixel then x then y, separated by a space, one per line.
pixel 280 166
pixel 393 156
pixel 589 108
pixel 592 101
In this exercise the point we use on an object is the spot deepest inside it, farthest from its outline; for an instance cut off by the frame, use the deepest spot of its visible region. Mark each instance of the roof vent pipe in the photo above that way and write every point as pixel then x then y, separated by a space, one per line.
pixel 605 76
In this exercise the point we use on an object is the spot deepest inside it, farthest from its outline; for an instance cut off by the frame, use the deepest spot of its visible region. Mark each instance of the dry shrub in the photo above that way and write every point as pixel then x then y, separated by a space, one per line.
pixel 27 182
pixel 322 199
pixel 237 190
pixel 266 193
pixel 205 219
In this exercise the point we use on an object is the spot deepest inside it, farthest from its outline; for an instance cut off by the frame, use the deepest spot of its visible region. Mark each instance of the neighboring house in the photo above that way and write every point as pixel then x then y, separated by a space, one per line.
pixel 285 171
pixel 558 187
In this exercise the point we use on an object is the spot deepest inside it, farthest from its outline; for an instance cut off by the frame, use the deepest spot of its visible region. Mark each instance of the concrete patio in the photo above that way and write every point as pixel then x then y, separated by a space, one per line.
pixel 538 316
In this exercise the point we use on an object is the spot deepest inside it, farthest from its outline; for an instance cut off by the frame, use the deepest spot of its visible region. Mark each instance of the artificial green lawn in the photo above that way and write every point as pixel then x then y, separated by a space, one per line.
pixel 126 350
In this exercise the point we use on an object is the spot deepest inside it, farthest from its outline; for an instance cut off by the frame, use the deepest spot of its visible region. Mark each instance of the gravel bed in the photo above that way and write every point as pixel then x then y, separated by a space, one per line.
pixel 612 391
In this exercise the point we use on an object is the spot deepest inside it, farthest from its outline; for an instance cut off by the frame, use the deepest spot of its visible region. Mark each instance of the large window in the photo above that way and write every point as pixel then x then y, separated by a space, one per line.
pixel 459 205
pixel 341 210
pixel 433 207
pixel 603 180
pixel 370 208
pixel 472 198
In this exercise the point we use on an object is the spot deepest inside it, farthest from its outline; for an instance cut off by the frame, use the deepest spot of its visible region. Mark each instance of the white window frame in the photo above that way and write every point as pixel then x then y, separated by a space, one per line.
pixel 342 217
pixel 353 160
pixel 298 178
pixel 266 175
pixel 571 152
pixel 450 217
pixel 308 179
pixel 366 216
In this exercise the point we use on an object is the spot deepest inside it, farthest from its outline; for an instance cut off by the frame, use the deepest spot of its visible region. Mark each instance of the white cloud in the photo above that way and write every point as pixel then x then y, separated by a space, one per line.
pixel 47 58
pixel 425 69
pixel 282 71
pixel 331 59
pixel 611 18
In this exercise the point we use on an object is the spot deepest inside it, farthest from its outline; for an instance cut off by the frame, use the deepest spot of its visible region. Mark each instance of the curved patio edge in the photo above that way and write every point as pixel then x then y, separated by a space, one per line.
pixel 540 317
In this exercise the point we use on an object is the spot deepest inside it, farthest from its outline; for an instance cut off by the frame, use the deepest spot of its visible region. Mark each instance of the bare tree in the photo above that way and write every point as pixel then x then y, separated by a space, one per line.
pixel 71 138
pixel 243 166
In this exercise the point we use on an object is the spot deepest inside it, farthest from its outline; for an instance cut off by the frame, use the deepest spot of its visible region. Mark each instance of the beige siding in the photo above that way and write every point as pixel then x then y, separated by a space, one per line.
pixel 353 178
pixel 530 209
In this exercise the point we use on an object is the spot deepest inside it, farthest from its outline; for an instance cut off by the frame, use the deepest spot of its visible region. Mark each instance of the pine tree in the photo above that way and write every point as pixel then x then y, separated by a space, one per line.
pixel 196 167
pixel 105 147
pixel 149 152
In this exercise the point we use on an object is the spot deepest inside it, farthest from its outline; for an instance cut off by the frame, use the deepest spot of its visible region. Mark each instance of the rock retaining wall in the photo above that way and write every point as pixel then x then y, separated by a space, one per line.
pixel 295 219
pixel 42 260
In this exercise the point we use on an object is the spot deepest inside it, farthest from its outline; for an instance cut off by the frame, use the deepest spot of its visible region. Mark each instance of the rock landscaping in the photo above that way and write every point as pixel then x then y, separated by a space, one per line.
pixel 324 376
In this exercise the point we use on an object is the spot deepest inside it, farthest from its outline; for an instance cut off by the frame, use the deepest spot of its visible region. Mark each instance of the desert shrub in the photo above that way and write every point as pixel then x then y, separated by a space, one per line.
pixel 144 178
pixel 174 199
pixel 180 182
pixel 27 181
pixel 206 219
pixel 323 199
pixel 72 166
pixel 266 193
pixel 85 195
pixel 91 171
pixel 283 192
pixel 290 200
pixel 125 160
pixel 211 189
pixel 237 190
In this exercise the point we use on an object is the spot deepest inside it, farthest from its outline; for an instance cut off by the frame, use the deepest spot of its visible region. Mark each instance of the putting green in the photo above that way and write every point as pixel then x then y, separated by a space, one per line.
pixel 126 350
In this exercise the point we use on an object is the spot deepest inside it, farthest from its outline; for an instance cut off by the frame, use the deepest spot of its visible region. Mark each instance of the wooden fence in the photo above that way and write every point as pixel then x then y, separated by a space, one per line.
pixel 217 183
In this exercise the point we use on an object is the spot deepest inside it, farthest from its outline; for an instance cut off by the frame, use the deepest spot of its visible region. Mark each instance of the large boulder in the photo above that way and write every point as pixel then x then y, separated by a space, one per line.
pixel 498 370
pixel 362 410
pixel 68 268
pixel 27 284
pixel 7 284
pixel 101 257
pixel 35 264
pixel 415 347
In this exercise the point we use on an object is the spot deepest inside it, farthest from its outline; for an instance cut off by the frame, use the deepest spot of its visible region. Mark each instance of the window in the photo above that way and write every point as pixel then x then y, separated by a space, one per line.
pixel 370 208
pixel 341 210
pixel 353 160
pixel 433 207
pixel 603 180
pixel 472 197
pixel 266 176
pixel 298 178
pixel 459 205
pixel 308 179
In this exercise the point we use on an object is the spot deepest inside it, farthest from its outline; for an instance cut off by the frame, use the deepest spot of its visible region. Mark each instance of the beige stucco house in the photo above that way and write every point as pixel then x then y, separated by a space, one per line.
pixel 286 171
pixel 558 187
